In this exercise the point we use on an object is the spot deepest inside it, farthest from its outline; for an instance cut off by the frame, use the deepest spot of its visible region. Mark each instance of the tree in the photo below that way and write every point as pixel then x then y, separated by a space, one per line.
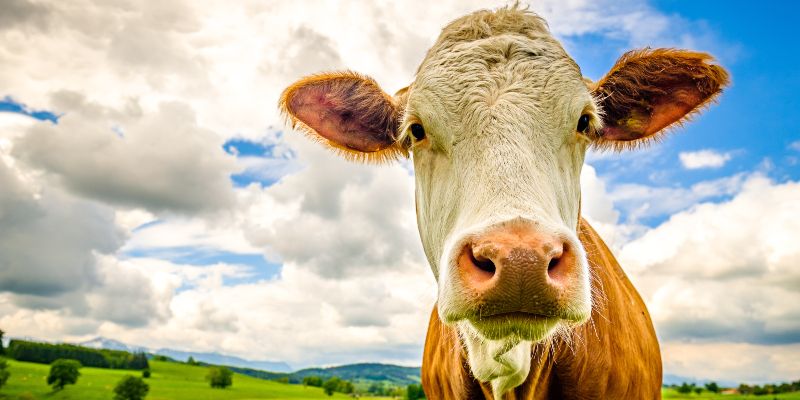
pixel 331 385
pixel 745 389
pixel 759 391
pixel 63 372
pixel 346 387
pixel 414 392
pixel 685 388
pixel 712 387
pixel 312 380
pixel 191 361
pixel 219 377
pixel 4 373
pixel 146 373
pixel 131 388
pixel 2 349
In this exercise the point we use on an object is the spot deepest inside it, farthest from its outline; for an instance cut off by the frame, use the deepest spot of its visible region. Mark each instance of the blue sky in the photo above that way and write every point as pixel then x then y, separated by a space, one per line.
pixel 205 199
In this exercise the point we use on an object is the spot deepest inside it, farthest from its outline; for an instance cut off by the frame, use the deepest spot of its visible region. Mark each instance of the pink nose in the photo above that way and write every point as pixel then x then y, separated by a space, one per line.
pixel 518 269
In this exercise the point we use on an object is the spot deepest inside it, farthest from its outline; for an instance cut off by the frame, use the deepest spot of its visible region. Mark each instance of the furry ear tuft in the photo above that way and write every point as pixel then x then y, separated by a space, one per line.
pixel 347 112
pixel 651 90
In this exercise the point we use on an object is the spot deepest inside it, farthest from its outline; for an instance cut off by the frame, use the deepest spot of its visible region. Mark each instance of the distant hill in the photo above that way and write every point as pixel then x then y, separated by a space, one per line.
pixel 671 379
pixel 111 344
pixel 365 372
pixel 222 359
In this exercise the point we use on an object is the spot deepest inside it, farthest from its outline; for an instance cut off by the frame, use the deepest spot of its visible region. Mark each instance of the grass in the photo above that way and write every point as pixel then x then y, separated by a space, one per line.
pixel 175 381
pixel 705 395
pixel 169 381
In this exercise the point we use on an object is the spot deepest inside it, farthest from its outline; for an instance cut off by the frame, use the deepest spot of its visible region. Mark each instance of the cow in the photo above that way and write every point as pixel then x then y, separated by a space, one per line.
pixel 531 303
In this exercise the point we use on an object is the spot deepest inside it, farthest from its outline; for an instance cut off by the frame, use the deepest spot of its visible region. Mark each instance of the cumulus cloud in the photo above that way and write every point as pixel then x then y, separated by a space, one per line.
pixel 641 201
pixel 703 159
pixel 55 255
pixel 735 362
pixel 160 160
pixel 22 13
pixel 70 230
pixel 725 271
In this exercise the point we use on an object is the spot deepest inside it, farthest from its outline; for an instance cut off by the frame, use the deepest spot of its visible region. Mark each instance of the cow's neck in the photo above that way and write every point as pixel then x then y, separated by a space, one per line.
pixel 614 355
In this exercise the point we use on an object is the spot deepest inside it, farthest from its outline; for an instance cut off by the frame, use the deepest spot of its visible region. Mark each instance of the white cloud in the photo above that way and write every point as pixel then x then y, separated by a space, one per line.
pixel 736 362
pixel 795 145
pixel 703 159
pixel 725 271
pixel 178 78
pixel 162 162
pixel 639 201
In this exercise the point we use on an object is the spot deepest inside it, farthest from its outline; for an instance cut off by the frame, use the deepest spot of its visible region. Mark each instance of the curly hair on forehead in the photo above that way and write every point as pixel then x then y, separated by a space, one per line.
pixel 513 19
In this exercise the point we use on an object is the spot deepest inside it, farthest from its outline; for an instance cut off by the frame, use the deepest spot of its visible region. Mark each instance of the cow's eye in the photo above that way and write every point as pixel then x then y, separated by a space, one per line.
pixel 417 131
pixel 583 123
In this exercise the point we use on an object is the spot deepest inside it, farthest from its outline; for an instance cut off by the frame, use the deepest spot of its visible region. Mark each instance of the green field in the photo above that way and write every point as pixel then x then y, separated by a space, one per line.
pixel 170 381
pixel 176 381
pixel 672 394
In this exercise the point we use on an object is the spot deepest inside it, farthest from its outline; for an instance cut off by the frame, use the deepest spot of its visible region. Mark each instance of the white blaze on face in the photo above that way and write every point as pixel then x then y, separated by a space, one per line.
pixel 500 114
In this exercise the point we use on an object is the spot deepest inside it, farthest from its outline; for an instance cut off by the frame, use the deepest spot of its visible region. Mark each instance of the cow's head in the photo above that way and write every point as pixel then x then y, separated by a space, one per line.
pixel 498 119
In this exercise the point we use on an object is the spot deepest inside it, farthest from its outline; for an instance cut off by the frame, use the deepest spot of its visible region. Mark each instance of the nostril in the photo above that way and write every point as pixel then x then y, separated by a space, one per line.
pixel 553 263
pixel 484 264
pixel 557 266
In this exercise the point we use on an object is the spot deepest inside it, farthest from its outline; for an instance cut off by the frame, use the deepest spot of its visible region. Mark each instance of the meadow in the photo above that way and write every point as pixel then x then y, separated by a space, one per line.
pixel 177 381
pixel 705 395
pixel 169 381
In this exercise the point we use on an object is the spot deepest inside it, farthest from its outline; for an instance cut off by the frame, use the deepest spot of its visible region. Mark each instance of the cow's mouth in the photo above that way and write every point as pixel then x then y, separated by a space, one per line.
pixel 517 316
pixel 525 325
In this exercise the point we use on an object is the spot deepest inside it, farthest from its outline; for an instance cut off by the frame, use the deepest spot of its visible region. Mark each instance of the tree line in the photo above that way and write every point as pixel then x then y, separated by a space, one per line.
pixel 337 385
pixel 758 390
pixel 46 353
pixel 770 388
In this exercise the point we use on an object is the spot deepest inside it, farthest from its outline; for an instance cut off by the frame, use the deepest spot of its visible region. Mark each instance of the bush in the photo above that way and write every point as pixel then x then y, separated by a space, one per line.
pixel 331 385
pixel 685 388
pixel 62 373
pixel 314 381
pixel 712 387
pixel 131 388
pixel 4 373
pixel 146 373
pixel 414 392
pixel 219 377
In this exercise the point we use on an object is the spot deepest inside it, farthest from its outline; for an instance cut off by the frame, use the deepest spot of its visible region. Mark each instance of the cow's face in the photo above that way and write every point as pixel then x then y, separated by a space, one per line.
pixel 498 126
pixel 498 120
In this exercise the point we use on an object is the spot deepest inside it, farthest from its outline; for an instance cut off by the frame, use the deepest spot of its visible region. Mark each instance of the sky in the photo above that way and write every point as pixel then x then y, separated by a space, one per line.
pixel 150 192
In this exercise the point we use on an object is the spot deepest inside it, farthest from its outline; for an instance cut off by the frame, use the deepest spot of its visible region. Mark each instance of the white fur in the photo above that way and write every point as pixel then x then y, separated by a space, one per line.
pixel 501 146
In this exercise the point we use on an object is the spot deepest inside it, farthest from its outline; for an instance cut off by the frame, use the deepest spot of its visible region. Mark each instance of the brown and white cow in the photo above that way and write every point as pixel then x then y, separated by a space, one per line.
pixel 531 303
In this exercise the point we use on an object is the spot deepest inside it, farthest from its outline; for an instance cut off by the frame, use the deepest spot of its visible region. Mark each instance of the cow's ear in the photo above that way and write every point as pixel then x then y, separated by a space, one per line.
pixel 647 91
pixel 345 111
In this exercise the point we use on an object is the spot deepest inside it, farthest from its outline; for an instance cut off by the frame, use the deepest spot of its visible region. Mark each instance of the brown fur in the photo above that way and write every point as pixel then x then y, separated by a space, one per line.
pixel 649 90
pixel 613 356
pixel 345 111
